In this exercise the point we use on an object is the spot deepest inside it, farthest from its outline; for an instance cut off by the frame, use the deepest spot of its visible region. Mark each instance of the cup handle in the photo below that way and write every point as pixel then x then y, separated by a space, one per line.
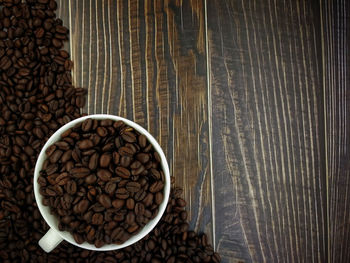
pixel 50 240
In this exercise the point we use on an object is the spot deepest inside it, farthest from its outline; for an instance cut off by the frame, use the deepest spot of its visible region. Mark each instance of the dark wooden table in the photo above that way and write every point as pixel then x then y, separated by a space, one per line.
pixel 250 102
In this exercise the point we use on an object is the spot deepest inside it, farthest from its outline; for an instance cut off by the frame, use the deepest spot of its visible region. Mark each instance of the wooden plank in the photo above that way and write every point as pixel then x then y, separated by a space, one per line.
pixel 145 60
pixel 336 38
pixel 267 130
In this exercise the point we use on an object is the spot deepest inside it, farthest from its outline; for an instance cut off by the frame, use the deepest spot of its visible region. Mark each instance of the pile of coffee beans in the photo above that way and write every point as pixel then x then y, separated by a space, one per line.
pixel 103 180
pixel 36 98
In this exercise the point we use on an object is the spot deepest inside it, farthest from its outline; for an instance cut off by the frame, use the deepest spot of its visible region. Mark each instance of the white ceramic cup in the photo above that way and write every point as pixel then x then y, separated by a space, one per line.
pixel 54 236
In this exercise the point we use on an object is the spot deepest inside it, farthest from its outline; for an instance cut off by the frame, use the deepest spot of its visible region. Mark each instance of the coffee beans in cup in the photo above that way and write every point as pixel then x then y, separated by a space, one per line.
pixel 103 181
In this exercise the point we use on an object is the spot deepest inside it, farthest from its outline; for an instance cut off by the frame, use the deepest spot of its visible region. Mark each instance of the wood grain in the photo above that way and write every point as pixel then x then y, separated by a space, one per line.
pixel 145 60
pixel 267 130
pixel 336 38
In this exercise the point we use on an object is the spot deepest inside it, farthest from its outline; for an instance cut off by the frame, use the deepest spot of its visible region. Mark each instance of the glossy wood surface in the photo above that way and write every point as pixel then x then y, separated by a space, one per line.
pixel 244 99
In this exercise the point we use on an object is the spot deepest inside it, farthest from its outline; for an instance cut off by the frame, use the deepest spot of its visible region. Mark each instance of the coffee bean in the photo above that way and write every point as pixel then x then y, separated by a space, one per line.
pixel 129 137
pixel 50 150
pixel 105 160
pixel 116 157
pixel 135 165
pixel 122 193
pixel 118 203
pixel 142 140
pixel 133 187
pixel 138 171
pixel 62 145
pixel 156 187
pixel 142 157
pixel 80 172
pixel 130 218
pixel 180 202
pixel 71 187
pixel 62 179
pixel 102 131
pixel 125 151
pixel 97 219
pixel 93 161
pixel 86 125
pixel 85 144
pixel 159 198
pixel 108 147
pixel 133 228
pixel 82 206
pixel 140 195
pixel 125 161
pixel 117 233
pixel 55 156
pixel 66 156
pixel 105 200
pixel 104 175
pixel 122 172
pixel 148 200
pixel 110 187
pixel 91 179
pixel 130 203
pixel 139 209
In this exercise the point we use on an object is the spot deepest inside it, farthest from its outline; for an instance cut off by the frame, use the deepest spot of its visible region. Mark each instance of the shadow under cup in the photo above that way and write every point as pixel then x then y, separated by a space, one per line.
pixel 54 236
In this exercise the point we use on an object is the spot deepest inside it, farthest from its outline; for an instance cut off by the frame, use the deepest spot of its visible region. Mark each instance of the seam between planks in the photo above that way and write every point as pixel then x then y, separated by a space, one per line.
pixel 325 127
pixel 209 124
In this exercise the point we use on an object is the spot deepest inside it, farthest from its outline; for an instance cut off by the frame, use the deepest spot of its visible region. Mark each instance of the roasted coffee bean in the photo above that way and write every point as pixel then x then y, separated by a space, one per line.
pixel 130 203
pixel 130 218
pixel 125 161
pixel 102 131
pixel 129 137
pixel 156 187
pixel 122 193
pixel 86 125
pixel 55 156
pixel 93 161
pixel 133 228
pixel 78 238
pixel 122 172
pixel 91 179
pixel 110 188
pixel 148 200
pixel 133 187
pixel 97 219
pixel 105 160
pixel 159 198
pixel 71 187
pixel 50 150
pixel 138 171
pixel 125 151
pixel 80 172
pixel 82 206
pixel 142 157
pixel 180 202
pixel 104 175
pixel 105 201
pixel 118 203
pixel 139 209
pixel 117 233
pixel 140 195
pixel 142 140
pixel 85 144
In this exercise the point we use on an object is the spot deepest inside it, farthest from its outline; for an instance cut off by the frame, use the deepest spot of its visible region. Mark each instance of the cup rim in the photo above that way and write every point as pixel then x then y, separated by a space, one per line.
pixel 45 210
